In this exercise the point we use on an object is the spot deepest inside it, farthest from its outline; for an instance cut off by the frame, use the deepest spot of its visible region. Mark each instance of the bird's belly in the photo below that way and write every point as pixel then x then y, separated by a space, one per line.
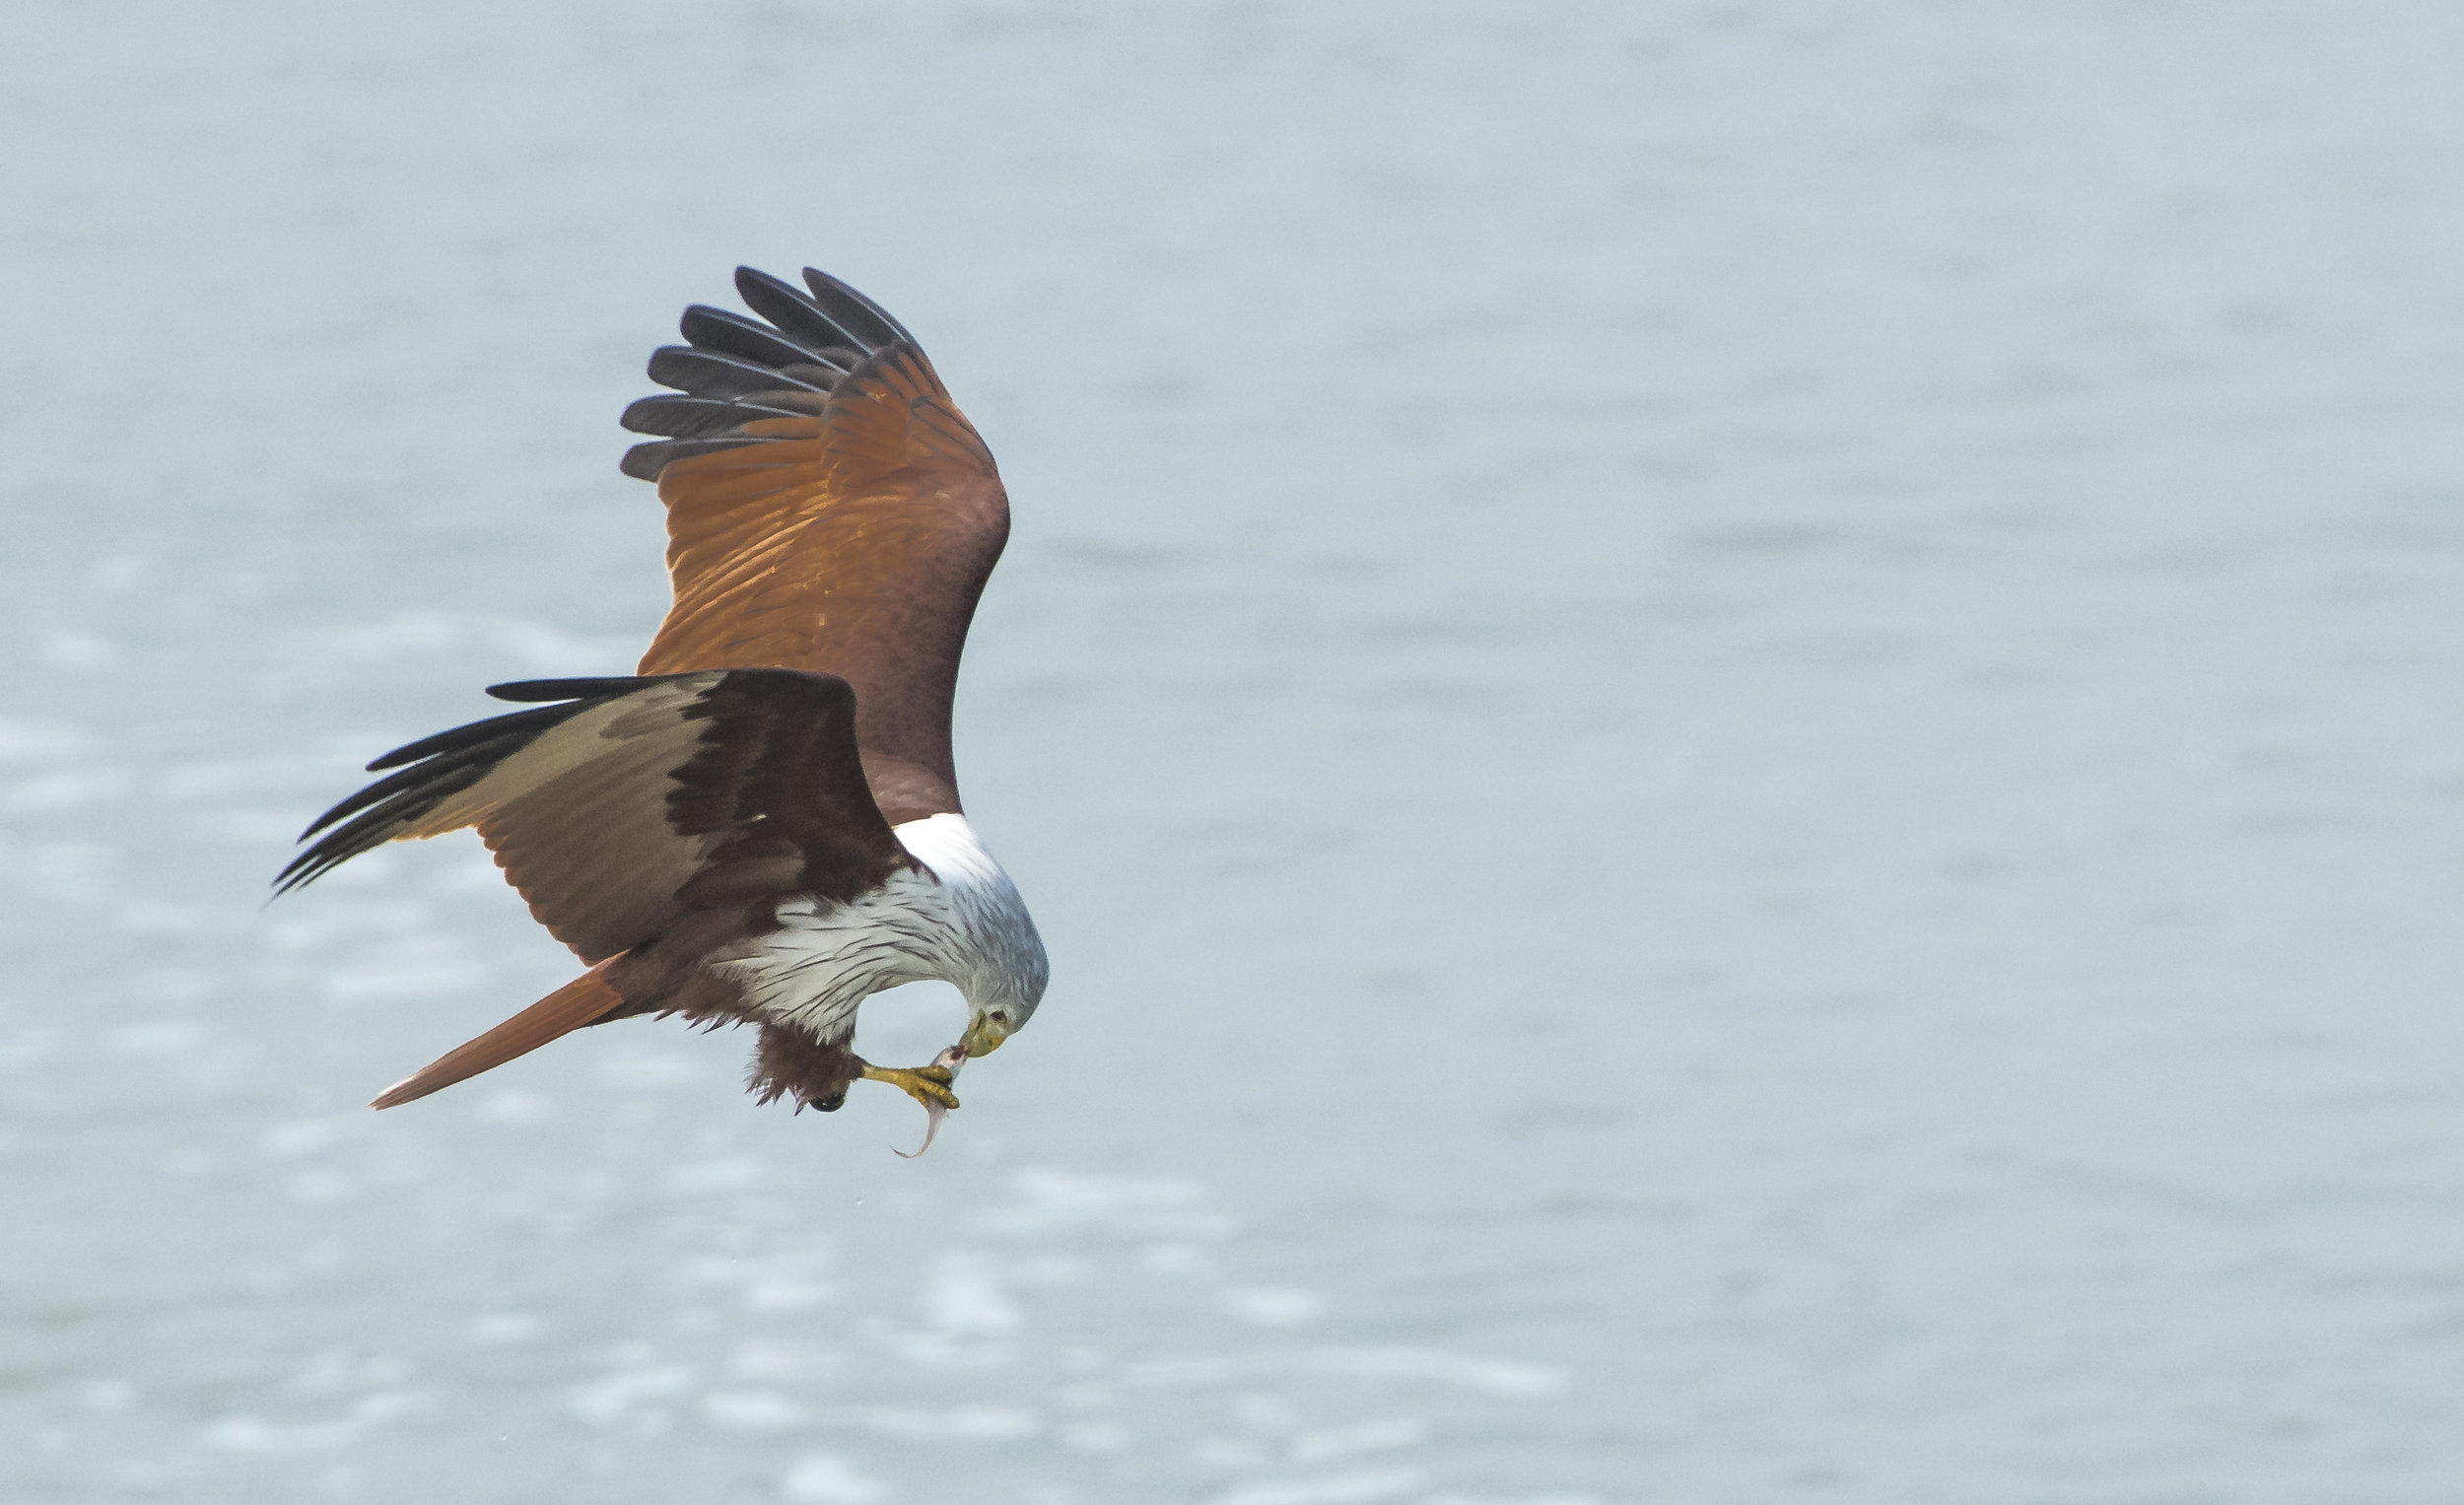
pixel 824 958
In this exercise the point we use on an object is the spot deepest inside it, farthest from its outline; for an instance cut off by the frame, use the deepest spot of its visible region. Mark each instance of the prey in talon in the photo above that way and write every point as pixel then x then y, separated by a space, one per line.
pixel 931 1086
pixel 760 825
pixel 928 1085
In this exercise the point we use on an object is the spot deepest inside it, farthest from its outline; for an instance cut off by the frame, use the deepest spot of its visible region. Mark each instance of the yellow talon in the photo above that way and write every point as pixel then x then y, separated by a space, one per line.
pixel 928 1085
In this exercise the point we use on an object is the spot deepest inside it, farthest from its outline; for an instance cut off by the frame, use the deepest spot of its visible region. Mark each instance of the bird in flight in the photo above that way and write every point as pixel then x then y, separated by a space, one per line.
pixel 762 826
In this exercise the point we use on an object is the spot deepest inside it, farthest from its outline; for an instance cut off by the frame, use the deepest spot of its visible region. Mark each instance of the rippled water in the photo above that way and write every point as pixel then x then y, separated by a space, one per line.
pixel 1736 726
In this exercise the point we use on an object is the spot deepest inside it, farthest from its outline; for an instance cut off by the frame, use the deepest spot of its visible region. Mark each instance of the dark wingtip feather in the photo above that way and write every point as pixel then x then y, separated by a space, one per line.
pixel 396 782
pixel 453 738
pixel 695 417
pixel 709 374
pixel 747 339
pixel 842 300
pixel 644 463
pixel 811 341
pixel 403 802
pixel 567 689
pixel 440 767
pixel 794 312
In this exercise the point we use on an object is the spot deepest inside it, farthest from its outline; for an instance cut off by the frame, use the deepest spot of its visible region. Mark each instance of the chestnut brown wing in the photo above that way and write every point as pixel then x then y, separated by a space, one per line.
pixel 829 509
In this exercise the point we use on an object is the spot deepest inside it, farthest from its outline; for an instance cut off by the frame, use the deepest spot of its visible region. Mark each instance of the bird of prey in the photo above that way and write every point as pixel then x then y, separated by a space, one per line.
pixel 762 826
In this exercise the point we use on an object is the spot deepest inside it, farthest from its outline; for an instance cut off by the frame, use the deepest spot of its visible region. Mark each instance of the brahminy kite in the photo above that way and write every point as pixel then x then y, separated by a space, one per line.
pixel 762 827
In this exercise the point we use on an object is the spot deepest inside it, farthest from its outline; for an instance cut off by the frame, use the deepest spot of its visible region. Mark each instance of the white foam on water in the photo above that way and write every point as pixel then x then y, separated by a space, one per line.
pixel 1504 1380
pixel 1360 1437
pixel 1500 1379
pixel 968 1299
pixel 736 1173
pixel 505 1328
pixel 1275 1306
pixel 1048 1200
pixel 963 1423
pixel 753 1410
pixel 827 1478
pixel 1333 1490
pixel 619 1396
pixel 515 1109
pixel 249 1433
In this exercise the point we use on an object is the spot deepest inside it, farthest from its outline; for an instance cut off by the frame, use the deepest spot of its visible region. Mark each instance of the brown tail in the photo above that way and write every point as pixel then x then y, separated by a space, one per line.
pixel 585 998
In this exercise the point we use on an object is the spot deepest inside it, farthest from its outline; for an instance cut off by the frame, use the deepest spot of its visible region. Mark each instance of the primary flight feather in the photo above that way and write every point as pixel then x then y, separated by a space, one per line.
pixel 763 825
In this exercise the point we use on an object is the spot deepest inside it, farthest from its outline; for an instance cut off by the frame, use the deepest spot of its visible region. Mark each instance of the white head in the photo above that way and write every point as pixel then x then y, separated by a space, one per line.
pixel 998 962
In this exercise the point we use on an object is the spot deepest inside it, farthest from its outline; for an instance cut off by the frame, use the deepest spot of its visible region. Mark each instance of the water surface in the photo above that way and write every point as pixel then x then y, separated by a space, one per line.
pixel 1736 726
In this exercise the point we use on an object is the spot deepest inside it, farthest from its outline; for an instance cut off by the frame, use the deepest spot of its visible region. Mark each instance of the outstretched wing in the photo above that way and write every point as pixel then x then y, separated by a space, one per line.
pixel 829 509
pixel 631 802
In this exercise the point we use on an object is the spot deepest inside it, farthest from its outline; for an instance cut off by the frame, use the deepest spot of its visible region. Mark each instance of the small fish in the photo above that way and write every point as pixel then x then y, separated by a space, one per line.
pixel 952 1056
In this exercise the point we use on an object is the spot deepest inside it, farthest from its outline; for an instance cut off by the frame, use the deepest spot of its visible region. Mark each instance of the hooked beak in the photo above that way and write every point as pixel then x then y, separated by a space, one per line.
pixel 983 1036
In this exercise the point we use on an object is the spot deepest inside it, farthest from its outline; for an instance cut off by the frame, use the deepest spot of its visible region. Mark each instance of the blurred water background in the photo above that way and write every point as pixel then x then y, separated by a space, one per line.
pixel 1737 727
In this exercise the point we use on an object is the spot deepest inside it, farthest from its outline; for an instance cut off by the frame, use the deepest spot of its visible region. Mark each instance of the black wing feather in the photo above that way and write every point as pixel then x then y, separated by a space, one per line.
pixel 400 780
pixel 746 339
pixel 736 370
pixel 853 312
pixel 602 687
pixel 776 775
pixel 373 827
pixel 440 767
pixel 531 722
pixel 782 768
pixel 695 417
pixel 706 373
pixel 796 314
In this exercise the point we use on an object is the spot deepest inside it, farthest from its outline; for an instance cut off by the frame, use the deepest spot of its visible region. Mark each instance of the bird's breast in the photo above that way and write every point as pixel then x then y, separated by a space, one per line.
pixel 821 958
